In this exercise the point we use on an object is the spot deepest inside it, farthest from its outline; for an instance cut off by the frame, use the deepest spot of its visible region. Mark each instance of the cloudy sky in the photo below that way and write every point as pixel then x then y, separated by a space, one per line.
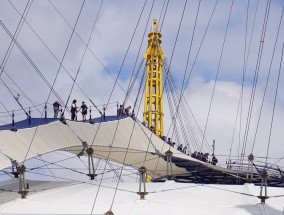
pixel 251 35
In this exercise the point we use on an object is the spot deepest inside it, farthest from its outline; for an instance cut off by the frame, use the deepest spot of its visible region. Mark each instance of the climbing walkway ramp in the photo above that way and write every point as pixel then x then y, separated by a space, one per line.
pixel 122 140
pixel 119 139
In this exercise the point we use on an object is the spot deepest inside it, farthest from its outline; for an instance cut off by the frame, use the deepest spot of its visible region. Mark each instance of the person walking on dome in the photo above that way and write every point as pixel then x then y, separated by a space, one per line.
pixel 56 108
pixel 180 147
pixel 74 110
pixel 214 160
pixel 120 111
pixel 127 111
pixel 84 109
pixel 169 141
pixel 184 150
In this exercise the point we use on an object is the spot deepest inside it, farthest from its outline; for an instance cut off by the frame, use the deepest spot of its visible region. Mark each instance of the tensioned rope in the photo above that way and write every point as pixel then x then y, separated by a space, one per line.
pixel 92 53
pixel 253 90
pixel 53 55
pixel 246 58
pixel 18 29
pixel 245 62
pixel 127 148
pixel 171 58
pixel 200 46
pixel 5 108
pixel 63 57
pixel 140 91
pixel 22 92
pixel 32 140
pixel 116 80
pixel 239 109
pixel 9 51
pixel 95 22
pixel 274 104
pixel 217 73
pixel 203 37
pixel 29 59
pixel 267 80
pixel 138 70
pixel 184 120
pixel 134 77
pixel 10 48
pixel 186 67
pixel 166 9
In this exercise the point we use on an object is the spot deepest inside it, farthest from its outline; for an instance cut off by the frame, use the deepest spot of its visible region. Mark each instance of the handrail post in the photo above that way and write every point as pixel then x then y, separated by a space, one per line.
pixel 104 114
pixel 13 119
pixel 29 115
pixel 90 113
pixel 45 110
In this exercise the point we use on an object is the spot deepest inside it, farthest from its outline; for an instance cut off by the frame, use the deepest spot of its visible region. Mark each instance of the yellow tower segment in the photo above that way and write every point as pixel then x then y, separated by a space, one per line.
pixel 153 102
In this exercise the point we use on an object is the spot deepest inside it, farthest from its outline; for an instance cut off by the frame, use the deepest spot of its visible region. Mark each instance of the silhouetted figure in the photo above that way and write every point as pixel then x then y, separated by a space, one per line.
pixel 120 111
pixel 74 110
pixel 198 156
pixel 127 111
pixel 184 149
pixel 84 110
pixel 169 141
pixel 56 108
pixel 214 160
pixel 180 147
pixel 194 154
pixel 152 128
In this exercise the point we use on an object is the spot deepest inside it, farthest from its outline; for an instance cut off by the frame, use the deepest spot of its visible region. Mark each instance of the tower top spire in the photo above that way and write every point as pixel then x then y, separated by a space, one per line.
pixel 155 26
pixel 154 42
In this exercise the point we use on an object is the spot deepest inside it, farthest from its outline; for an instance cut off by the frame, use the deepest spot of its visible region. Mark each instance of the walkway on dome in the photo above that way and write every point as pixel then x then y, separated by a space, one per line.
pixel 122 140
pixel 119 139
pixel 207 174
pixel 33 122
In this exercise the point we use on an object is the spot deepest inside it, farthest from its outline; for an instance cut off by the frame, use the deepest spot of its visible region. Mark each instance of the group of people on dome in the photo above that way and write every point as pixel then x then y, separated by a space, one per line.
pixel 184 149
pixel 121 111
pixel 197 155
pixel 204 157
pixel 74 110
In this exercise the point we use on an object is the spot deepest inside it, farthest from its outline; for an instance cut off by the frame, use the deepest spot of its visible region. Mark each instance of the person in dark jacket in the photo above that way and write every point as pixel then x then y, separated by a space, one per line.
pixel 74 110
pixel 84 110
pixel 56 108
pixel 214 160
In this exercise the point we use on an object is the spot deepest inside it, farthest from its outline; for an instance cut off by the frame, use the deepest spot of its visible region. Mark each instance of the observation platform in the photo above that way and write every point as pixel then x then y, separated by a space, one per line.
pixel 34 122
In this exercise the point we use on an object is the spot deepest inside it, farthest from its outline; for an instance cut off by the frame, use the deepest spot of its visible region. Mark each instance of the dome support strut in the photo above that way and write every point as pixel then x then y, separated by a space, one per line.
pixel 142 179
pixel 249 177
pixel 264 176
pixel 23 190
pixel 91 165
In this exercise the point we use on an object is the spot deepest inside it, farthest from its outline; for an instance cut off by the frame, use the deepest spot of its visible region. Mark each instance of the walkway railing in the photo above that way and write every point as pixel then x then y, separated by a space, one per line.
pixel 45 111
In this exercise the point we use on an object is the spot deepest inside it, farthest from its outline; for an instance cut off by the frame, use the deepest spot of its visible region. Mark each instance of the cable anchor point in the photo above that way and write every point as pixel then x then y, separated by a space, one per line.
pixel 249 176
pixel 109 213
pixel 142 180
pixel 263 176
pixel 91 165
pixel 23 190
pixel 169 155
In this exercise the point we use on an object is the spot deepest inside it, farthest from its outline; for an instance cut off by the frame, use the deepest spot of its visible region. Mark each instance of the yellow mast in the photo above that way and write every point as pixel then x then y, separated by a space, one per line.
pixel 153 102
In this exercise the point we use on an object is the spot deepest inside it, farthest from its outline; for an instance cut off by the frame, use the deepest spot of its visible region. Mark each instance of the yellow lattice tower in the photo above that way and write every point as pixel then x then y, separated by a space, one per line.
pixel 153 102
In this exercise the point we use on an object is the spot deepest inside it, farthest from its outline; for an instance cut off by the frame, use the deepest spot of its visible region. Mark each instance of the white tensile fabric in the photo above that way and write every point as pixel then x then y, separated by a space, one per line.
pixel 163 198
pixel 125 141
